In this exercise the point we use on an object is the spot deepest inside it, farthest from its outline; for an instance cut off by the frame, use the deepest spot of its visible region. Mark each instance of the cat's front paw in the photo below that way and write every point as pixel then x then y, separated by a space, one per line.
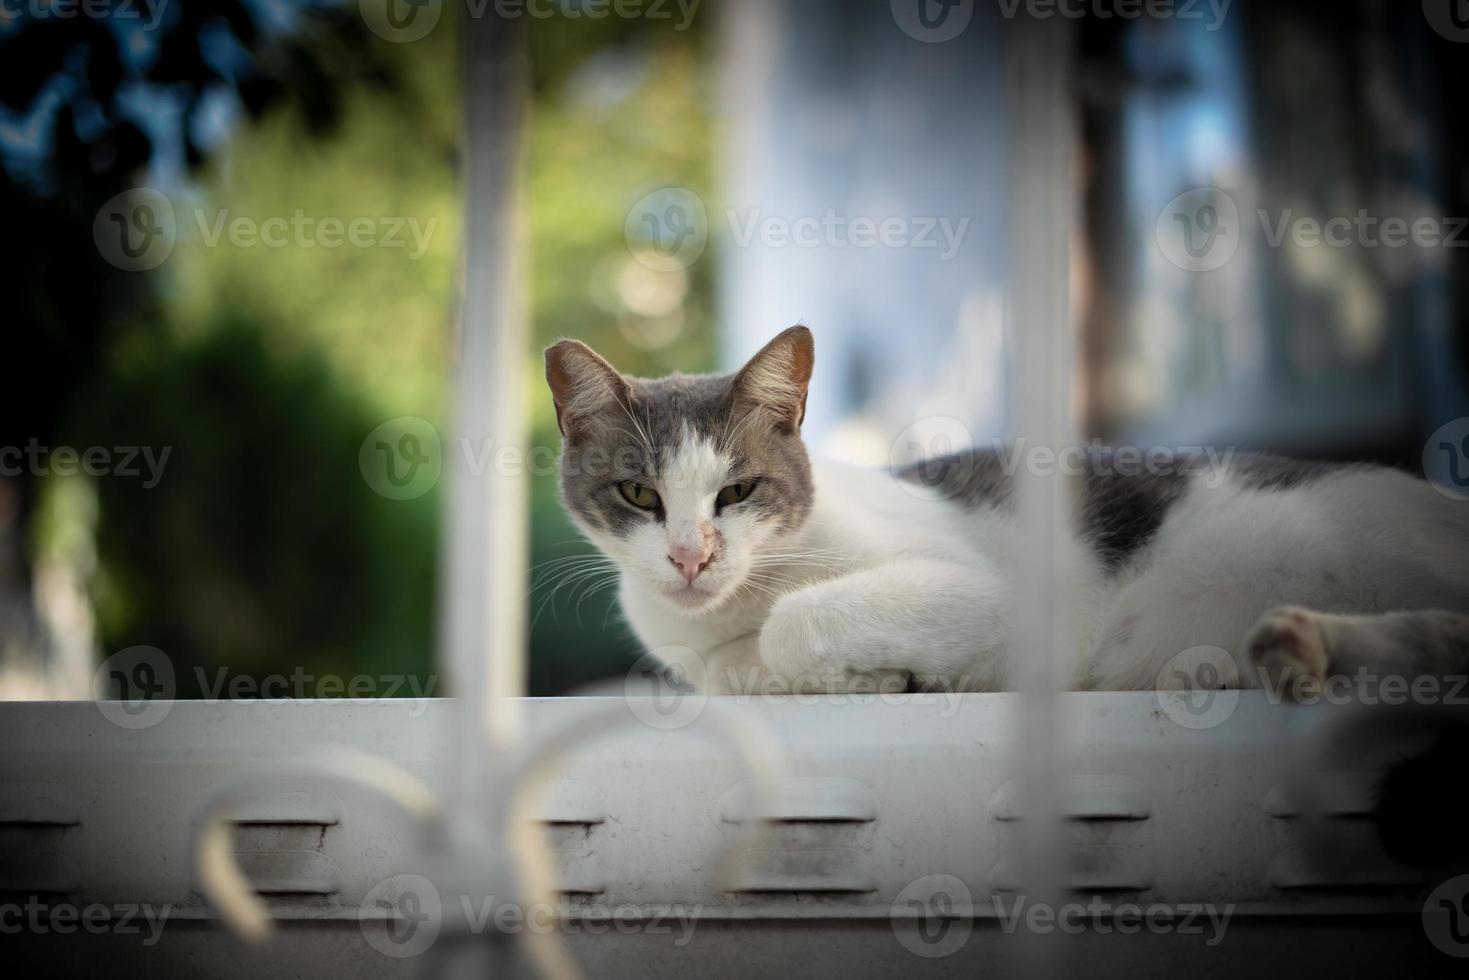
pixel 1288 649
pixel 810 646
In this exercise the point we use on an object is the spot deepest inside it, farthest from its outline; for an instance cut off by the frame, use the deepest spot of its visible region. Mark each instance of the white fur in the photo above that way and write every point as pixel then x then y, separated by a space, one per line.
pixel 883 579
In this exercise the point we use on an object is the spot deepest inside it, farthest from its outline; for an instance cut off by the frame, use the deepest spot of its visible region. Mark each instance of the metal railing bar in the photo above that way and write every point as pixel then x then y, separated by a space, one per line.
pixel 1041 221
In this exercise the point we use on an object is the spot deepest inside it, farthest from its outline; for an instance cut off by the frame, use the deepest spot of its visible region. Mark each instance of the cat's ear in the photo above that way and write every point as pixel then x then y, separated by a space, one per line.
pixel 583 385
pixel 776 379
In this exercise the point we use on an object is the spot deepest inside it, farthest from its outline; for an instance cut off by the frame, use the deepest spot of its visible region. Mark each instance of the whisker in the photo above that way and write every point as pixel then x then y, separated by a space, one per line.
pixel 568 559
pixel 562 575
pixel 591 589
pixel 565 577
pixel 766 578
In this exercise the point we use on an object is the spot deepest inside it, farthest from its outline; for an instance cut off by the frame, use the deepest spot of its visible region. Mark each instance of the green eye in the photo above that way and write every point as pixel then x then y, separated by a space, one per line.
pixel 734 493
pixel 638 495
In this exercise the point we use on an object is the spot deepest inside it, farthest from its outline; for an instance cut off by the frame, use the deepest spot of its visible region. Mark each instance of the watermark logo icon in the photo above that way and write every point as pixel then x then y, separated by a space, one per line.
pixel 663 689
pixel 402 458
pixel 402 916
pixel 1200 230
pixel 668 229
pixel 933 916
pixel 933 21
pixel 134 688
pixel 1446 459
pixel 1450 18
pixel 924 455
pixel 135 231
pixel 400 21
pixel 1446 917
pixel 1199 688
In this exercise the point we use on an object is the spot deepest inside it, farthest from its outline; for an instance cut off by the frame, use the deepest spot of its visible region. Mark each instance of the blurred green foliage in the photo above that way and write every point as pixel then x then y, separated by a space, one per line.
pixel 621 108
pixel 264 549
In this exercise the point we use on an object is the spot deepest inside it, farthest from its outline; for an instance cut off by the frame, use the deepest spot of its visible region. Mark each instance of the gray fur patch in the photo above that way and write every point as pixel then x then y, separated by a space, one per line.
pixel 1261 471
pixel 976 478
pixel 638 440
pixel 1119 513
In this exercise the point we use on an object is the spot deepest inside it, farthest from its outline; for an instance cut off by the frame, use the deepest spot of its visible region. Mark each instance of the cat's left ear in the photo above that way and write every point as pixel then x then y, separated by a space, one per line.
pixel 776 379
pixel 583 385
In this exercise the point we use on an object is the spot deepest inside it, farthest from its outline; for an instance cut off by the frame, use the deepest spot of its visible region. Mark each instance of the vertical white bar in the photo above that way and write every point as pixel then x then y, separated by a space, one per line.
pixel 482 618
pixel 1041 127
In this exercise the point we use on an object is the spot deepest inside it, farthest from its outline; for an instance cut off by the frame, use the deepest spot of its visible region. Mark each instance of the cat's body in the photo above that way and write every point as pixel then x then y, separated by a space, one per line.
pixel 835 575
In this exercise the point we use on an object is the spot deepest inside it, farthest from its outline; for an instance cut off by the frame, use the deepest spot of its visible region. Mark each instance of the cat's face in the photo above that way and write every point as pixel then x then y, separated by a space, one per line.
pixel 684 481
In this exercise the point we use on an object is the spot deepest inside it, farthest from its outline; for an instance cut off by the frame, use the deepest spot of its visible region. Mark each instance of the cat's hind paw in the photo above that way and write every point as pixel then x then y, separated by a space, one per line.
pixel 1288 649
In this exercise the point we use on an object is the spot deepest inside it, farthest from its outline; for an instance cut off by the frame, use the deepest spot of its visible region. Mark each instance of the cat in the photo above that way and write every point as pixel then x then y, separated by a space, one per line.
pixel 744 563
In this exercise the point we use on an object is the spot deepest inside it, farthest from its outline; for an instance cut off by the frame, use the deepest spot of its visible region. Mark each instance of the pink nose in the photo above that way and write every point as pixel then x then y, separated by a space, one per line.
pixel 691 561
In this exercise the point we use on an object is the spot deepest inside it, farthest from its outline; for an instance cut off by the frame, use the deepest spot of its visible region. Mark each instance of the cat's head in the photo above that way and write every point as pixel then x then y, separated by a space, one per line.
pixel 683 481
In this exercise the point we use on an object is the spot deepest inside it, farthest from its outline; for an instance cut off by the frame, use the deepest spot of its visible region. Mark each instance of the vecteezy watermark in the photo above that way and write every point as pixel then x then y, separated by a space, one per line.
pixel 221 685
pixel 402 458
pixel 302 230
pixel 936 21
pixel 1199 687
pixel 402 21
pixel 1202 230
pixel 1104 917
pixel 1199 230
pixel 138 229
pixel 1212 12
pixel 403 916
pixel 935 456
pixel 39 918
pixel 1363 230
pixel 668 229
pixel 932 21
pixel 1446 459
pixel 148 12
pixel 134 688
pixel 927 454
pixel 933 916
pixel 668 687
pixel 1366 687
pixel 1450 18
pixel 1446 917
pixel 1099 459
pixel 839 231
pixel 125 462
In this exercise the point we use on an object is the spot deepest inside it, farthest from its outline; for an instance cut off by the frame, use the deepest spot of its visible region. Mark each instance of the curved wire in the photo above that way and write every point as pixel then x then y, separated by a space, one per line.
pixel 754 747
pixel 242 911
pixel 220 879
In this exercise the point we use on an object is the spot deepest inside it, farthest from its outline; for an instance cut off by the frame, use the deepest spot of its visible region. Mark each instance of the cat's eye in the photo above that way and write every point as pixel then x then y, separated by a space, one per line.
pixel 734 493
pixel 638 495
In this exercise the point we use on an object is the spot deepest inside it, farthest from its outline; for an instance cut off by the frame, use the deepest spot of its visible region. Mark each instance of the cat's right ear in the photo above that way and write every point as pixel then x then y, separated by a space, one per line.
pixel 583 385
pixel 776 379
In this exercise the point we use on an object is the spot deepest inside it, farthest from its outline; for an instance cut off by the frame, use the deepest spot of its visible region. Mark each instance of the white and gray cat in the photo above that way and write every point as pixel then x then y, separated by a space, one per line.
pixel 744 563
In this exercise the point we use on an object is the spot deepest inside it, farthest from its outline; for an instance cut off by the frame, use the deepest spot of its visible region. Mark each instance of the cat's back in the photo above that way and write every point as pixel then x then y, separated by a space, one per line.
pixel 1128 496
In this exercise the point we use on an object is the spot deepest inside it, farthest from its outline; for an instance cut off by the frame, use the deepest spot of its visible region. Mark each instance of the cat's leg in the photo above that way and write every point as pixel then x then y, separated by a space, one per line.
pixel 940 622
pixel 1296 649
pixel 734 668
